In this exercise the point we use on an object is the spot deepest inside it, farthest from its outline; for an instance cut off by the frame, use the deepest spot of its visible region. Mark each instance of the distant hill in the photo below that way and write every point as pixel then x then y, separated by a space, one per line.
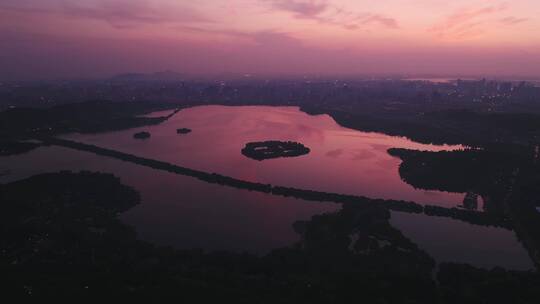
pixel 157 76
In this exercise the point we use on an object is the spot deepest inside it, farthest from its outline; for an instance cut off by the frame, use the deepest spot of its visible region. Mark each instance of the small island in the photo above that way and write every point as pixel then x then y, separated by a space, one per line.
pixel 183 131
pixel 274 149
pixel 141 135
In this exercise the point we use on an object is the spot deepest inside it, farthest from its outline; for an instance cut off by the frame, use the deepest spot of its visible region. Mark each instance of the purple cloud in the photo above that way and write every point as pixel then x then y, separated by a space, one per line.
pixel 465 22
pixel 302 8
pixel 512 20
pixel 323 12
pixel 119 14
pixel 382 20
pixel 260 37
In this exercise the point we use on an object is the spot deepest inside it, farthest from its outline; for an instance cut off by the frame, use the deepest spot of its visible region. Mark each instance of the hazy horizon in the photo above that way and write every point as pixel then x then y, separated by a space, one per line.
pixel 61 39
pixel 151 76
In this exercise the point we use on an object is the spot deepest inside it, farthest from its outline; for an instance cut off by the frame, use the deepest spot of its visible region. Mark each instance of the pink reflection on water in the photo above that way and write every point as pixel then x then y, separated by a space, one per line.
pixel 341 160
pixel 453 241
pixel 181 211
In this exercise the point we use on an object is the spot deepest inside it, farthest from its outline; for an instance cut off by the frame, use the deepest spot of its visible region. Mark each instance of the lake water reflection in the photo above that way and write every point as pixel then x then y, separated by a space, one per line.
pixel 187 213
pixel 181 211
pixel 341 160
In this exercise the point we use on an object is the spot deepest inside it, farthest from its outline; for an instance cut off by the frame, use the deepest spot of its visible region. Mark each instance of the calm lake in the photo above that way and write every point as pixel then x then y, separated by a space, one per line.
pixel 341 160
pixel 184 212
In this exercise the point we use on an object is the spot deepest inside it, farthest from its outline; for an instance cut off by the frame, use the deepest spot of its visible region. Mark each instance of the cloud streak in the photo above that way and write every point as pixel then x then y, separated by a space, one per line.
pixel 472 22
pixel 466 15
pixel 323 12
pixel 382 20
pixel 302 8
pixel 119 14
pixel 259 37
pixel 53 38
pixel 512 20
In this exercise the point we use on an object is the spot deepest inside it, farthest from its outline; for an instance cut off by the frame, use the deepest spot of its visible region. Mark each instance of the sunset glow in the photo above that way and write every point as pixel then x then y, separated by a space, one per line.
pixel 93 38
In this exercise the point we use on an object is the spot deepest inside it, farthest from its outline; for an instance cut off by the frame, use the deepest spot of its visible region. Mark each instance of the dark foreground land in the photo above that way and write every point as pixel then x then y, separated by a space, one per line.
pixel 507 178
pixel 63 239
pixel 60 235
pixel 20 124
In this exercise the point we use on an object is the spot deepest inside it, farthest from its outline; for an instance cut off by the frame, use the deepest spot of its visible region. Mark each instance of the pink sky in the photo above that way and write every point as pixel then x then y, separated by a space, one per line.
pixel 95 38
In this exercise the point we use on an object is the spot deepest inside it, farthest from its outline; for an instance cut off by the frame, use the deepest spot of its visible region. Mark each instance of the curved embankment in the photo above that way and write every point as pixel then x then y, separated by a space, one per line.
pixel 477 218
